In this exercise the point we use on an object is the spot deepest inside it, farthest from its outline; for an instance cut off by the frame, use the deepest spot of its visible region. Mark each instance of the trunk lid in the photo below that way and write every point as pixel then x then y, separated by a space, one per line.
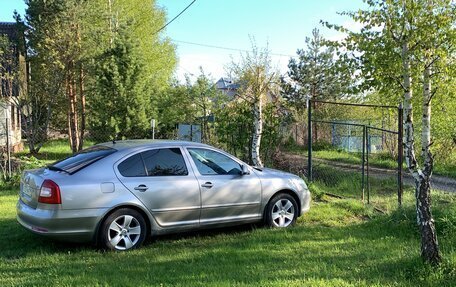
pixel 31 182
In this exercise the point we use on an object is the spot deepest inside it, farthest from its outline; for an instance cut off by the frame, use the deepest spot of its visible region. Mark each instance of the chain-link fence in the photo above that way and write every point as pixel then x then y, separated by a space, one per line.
pixel 354 150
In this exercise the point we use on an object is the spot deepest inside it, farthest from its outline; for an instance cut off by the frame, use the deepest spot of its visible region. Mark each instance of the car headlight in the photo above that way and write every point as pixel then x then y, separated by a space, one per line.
pixel 299 183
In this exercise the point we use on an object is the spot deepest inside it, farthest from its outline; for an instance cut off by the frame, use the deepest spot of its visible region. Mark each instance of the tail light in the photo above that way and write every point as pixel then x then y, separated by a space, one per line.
pixel 50 193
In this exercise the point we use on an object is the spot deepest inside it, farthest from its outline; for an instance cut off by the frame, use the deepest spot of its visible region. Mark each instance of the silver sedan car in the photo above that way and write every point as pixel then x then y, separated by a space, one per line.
pixel 116 194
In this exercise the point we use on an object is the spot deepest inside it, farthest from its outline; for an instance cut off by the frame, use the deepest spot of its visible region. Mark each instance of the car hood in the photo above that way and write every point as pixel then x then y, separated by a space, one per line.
pixel 270 172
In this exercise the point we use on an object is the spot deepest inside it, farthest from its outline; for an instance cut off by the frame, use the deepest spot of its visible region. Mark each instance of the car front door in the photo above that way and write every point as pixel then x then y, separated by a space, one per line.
pixel 160 179
pixel 226 194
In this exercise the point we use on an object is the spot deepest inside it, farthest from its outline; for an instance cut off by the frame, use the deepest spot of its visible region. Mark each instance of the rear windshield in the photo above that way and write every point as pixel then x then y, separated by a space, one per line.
pixel 81 159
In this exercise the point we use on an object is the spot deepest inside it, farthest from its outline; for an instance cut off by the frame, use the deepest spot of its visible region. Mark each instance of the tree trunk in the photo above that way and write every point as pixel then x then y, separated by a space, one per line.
pixel 257 131
pixel 83 107
pixel 429 244
pixel 72 114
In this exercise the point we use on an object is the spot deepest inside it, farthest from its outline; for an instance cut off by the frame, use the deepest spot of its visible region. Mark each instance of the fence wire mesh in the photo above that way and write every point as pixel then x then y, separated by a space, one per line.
pixel 354 150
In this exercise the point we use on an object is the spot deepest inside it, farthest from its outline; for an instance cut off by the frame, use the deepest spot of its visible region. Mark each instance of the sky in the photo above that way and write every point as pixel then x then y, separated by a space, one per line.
pixel 281 25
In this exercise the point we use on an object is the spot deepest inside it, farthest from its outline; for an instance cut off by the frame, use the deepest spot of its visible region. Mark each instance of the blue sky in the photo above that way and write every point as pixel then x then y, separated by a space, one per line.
pixel 280 24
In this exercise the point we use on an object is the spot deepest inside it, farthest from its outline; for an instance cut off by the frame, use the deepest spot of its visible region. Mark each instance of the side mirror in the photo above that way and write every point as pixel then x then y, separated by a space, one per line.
pixel 244 170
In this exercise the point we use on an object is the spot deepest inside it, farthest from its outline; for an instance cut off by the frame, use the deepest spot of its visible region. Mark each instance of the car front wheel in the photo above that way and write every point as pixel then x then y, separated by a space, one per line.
pixel 282 211
pixel 122 230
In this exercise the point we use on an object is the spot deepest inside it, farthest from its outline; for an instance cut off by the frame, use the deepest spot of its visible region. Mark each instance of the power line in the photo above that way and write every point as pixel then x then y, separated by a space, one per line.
pixel 175 17
pixel 226 48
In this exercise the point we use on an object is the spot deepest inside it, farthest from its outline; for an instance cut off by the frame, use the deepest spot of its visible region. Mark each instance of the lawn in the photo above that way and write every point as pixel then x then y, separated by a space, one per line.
pixel 340 242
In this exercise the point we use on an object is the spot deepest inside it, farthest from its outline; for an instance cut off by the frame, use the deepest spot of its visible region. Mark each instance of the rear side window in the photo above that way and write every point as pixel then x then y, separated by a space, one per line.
pixel 82 159
pixel 132 166
pixel 164 162
pixel 156 162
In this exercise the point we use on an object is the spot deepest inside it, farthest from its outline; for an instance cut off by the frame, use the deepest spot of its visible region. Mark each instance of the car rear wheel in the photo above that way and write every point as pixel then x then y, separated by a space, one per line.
pixel 282 211
pixel 122 230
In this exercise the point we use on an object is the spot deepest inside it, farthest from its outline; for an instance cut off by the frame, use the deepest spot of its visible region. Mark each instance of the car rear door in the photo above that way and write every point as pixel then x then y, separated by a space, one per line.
pixel 226 195
pixel 161 180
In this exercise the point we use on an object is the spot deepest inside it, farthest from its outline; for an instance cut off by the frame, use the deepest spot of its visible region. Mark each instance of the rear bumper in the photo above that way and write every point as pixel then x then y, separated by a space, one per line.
pixel 68 225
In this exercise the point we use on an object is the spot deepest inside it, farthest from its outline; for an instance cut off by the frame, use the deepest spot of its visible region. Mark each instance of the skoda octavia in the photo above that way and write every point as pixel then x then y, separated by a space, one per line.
pixel 116 194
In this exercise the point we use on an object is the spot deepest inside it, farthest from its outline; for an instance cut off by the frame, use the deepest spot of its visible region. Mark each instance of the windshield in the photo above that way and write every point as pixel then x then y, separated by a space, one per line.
pixel 82 159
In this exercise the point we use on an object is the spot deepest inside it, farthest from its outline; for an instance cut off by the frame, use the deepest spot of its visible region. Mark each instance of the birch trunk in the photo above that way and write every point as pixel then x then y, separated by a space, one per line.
pixel 429 244
pixel 257 131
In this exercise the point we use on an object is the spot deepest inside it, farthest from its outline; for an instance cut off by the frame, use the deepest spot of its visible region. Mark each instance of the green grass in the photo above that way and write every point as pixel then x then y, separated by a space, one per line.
pixel 338 243
pixel 382 192
pixel 382 160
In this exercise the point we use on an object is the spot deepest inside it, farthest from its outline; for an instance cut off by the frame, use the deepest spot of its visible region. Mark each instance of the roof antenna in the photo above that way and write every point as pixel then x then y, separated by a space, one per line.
pixel 114 139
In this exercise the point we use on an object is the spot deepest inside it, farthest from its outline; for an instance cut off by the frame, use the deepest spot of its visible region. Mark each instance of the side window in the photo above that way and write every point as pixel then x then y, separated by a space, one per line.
pixel 211 162
pixel 132 166
pixel 164 162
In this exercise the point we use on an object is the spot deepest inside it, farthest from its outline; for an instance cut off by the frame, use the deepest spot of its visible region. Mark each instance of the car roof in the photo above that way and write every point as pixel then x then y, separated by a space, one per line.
pixel 127 144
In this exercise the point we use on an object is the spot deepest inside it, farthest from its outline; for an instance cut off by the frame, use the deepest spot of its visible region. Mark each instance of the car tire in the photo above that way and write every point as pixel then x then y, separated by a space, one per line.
pixel 122 230
pixel 282 211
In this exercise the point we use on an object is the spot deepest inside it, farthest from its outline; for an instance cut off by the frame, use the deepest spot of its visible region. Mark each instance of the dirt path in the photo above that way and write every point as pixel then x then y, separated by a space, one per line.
pixel 438 182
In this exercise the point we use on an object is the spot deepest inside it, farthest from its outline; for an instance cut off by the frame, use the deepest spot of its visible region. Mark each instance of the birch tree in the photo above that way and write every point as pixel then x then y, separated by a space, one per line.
pixel 258 81
pixel 398 48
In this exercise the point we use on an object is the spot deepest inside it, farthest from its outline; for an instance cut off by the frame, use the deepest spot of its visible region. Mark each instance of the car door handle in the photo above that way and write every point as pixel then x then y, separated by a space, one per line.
pixel 141 187
pixel 207 184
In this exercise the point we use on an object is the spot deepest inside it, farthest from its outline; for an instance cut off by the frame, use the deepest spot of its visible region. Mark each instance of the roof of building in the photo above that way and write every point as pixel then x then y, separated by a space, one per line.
pixel 9 28
pixel 226 84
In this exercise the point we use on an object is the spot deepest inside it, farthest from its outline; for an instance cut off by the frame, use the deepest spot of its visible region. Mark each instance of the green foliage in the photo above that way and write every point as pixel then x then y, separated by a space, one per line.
pixel 174 106
pixel 316 73
pixel 207 101
pixel 427 27
pixel 234 127
pixel 119 104
pixel 73 44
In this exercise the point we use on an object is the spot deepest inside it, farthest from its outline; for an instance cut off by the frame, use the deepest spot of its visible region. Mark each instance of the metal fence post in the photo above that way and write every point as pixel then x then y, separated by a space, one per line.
pixel 362 162
pixel 8 148
pixel 367 164
pixel 400 153
pixel 309 140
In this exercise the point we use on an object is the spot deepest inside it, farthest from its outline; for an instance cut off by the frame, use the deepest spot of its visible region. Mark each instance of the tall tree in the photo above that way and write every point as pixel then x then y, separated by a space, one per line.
pixel 257 81
pixel 402 42
pixel 316 73
pixel 56 37
pixel 70 36
pixel 119 89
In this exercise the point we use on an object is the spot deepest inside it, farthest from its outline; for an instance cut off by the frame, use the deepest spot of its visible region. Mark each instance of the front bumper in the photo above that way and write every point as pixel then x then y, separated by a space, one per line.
pixel 305 201
pixel 68 225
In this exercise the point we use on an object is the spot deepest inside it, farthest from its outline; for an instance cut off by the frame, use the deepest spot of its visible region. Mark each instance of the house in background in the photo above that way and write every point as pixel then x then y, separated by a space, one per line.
pixel 13 78
pixel 227 87
pixel 230 88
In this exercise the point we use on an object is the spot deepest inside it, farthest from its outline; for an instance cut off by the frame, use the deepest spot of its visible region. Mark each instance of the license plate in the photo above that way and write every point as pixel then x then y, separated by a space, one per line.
pixel 27 190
